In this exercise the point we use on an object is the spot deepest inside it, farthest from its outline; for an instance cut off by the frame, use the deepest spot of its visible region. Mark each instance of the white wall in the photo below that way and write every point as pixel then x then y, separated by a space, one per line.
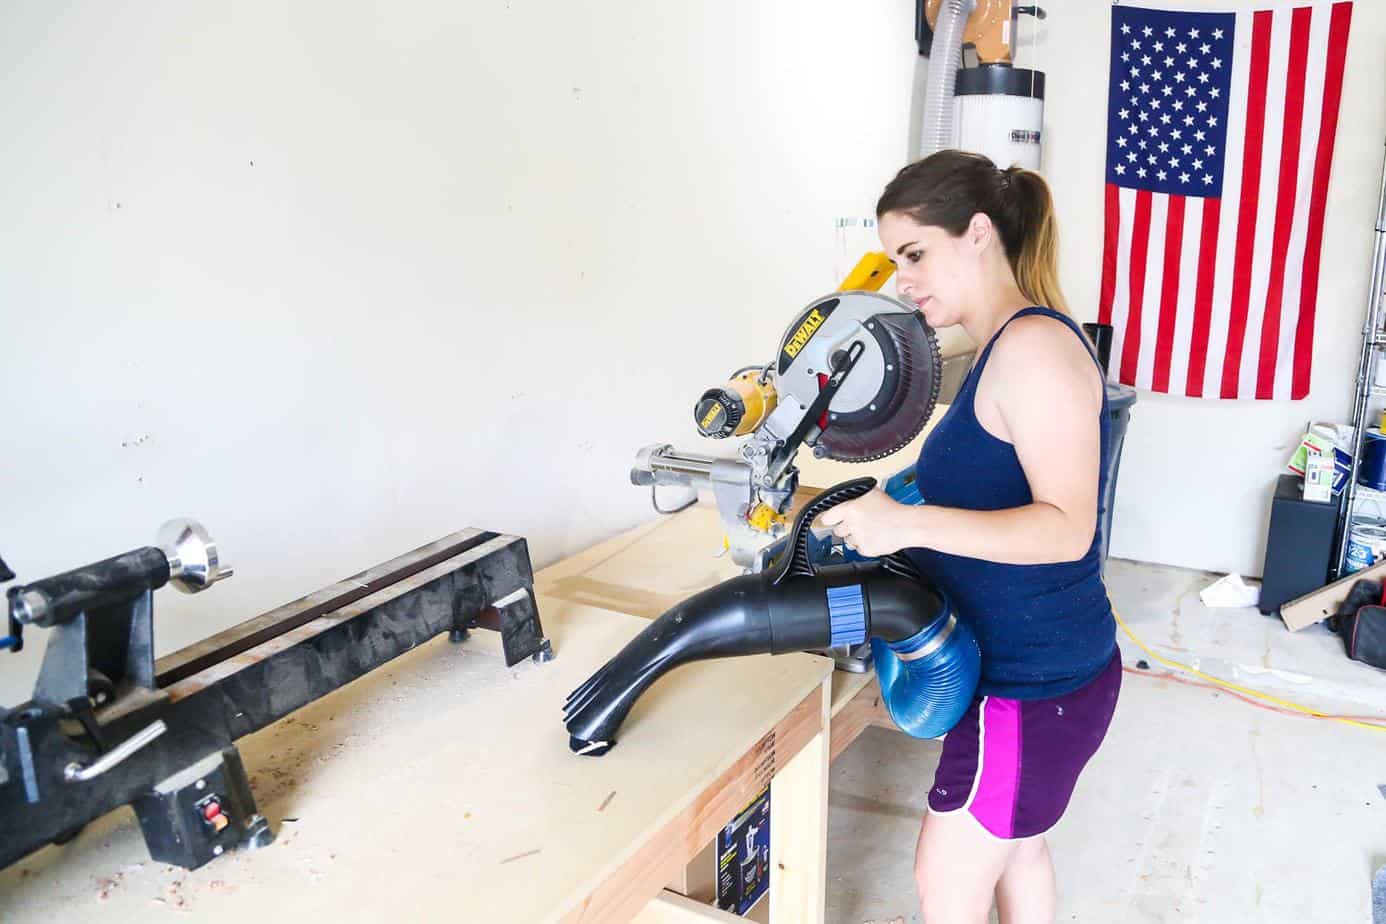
pixel 341 278
pixel 1196 474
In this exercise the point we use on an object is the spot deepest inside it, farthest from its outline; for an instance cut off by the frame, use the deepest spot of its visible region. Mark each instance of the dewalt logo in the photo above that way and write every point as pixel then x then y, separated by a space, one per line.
pixel 806 330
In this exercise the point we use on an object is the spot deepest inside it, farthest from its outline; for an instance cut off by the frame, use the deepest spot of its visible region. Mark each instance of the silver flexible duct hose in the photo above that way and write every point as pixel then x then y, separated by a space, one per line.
pixel 944 61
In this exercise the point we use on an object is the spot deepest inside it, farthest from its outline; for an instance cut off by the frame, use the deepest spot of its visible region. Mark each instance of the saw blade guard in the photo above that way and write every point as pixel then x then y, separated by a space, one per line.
pixel 892 390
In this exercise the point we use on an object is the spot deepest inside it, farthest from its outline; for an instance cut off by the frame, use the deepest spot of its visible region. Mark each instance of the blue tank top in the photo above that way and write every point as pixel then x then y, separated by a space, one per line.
pixel 1044 630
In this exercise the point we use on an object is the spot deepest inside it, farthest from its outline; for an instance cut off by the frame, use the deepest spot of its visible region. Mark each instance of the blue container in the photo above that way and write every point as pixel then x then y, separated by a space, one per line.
pixel 901 487
pixel 1119 401
pixel 1371 471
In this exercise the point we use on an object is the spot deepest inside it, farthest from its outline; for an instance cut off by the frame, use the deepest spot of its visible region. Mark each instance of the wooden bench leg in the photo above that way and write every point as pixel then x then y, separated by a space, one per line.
pixel 859 713
pixel 799 831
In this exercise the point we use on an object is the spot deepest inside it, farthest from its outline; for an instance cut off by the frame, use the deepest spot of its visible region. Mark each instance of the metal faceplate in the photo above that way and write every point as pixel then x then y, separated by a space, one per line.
pixel 890 393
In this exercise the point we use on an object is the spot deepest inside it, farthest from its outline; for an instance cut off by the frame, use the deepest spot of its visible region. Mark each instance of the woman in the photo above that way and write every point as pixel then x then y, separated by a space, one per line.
pixel 1011 479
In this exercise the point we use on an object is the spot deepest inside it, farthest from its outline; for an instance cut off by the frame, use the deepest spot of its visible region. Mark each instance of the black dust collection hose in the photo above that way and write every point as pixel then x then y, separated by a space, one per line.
pixel 926 660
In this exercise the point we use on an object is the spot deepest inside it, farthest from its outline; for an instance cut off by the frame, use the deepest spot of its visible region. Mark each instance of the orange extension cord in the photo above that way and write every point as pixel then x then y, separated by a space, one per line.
pixel 1246 694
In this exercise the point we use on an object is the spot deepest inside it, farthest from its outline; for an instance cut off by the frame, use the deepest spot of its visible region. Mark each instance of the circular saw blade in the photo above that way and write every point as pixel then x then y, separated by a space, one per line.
pixel 903 404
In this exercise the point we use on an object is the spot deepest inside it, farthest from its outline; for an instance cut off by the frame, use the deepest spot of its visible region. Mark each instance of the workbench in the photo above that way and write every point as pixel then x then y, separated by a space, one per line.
pixel 441 785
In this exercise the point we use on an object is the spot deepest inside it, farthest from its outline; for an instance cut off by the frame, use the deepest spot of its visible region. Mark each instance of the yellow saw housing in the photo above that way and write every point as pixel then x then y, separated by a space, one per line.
pixel 736 408
pixel 741 405
pixel 869 274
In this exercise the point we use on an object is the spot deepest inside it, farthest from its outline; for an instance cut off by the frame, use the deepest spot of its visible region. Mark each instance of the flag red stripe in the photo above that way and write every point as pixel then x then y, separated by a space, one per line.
pixel 1140 243
pixel 1286 191
pixel 1203 297
pixel 1169 293
pixel 1251 183
pixel 1328 127
pixel 1109 254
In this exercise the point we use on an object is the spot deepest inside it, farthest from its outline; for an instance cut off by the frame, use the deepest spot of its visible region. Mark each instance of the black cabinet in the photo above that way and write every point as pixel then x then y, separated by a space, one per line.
pixel 1299 546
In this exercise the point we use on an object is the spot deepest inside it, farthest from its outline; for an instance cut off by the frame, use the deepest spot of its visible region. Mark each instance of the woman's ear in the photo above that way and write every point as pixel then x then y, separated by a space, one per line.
pixel 979 230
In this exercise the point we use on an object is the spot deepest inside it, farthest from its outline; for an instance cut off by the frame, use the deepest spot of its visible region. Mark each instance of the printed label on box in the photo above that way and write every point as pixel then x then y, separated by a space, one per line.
pixel 743 857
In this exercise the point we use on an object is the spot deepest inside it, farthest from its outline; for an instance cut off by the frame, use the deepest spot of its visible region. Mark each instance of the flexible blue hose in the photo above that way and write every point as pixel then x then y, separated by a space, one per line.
pixel 926 696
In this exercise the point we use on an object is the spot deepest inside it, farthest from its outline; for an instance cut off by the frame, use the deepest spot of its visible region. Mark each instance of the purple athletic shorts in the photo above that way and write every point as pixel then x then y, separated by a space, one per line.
pixel 1013 763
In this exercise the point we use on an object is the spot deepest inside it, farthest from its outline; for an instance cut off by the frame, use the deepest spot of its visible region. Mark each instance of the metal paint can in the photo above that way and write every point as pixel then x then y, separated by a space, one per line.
pixel 1366 546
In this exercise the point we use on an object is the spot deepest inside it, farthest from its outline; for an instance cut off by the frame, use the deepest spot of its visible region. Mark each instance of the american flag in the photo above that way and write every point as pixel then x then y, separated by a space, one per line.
pixel 1220 134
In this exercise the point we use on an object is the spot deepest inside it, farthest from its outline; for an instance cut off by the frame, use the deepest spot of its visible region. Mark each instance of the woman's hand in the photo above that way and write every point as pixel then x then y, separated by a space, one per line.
pixel 873 524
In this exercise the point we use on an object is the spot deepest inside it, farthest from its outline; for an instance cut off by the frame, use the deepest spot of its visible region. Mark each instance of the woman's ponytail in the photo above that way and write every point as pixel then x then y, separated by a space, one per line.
pixel 1036 265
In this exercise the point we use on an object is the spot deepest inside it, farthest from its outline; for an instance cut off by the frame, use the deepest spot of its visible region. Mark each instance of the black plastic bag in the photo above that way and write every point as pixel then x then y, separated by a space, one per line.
pixel 1360 621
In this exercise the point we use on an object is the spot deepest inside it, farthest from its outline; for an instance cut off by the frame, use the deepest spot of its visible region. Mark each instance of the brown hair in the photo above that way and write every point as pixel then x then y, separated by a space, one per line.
pixel 947 188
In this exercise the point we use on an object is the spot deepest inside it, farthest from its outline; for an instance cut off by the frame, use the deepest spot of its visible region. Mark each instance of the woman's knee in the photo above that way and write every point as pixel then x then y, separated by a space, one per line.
pixel 947 892
pixel 945 901
pixel 1030 850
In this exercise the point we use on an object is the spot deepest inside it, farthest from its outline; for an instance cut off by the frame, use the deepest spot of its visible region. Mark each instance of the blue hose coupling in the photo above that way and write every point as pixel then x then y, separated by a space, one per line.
pixel 847 615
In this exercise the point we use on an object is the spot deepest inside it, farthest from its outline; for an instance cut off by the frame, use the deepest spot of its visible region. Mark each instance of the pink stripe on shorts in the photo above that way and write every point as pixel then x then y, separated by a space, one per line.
pixel 1013 763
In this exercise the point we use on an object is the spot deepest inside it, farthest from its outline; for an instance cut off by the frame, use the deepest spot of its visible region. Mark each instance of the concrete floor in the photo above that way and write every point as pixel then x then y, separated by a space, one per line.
pixel 1199 807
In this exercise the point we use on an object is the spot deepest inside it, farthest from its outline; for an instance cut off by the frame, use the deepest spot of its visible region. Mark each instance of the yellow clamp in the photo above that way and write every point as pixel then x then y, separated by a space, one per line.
pixel 763 518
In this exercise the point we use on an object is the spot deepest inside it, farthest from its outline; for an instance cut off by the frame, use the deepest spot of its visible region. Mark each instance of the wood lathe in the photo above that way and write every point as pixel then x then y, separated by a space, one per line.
pixel 109 726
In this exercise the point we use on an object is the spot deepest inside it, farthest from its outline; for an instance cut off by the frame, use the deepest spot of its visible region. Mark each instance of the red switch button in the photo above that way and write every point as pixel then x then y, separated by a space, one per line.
pixel 211 810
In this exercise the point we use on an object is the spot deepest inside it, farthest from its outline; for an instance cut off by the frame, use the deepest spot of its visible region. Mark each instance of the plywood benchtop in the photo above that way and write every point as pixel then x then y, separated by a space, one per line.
pixel 441 786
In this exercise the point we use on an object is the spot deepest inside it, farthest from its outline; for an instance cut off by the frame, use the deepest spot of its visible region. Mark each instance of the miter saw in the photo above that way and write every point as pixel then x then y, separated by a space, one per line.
pixel 856 377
